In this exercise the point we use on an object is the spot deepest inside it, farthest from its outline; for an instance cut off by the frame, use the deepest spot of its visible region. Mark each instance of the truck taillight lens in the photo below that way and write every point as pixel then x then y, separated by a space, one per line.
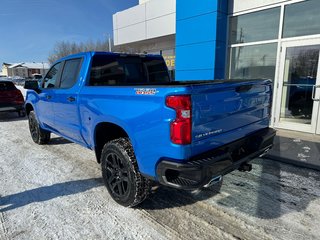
pixel 18 97
pixel 180 128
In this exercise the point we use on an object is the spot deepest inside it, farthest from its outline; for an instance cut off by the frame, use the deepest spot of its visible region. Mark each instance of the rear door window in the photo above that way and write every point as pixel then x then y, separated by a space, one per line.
pixel 106 71
pixel 157 71
pixel 70 73
pixel 7 86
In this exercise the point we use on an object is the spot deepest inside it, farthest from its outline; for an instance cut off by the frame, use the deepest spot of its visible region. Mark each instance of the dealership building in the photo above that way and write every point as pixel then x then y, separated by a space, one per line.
pixel 236 39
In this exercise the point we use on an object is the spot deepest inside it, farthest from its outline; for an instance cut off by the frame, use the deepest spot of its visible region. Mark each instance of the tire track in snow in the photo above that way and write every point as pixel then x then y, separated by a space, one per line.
pixel 3 230
pixel 181 220
pixel 168 231
pixel 273 201
pixel 73 156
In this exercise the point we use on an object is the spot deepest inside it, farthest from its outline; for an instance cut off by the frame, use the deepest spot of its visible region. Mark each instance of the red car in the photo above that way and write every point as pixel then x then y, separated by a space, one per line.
pixel 11 98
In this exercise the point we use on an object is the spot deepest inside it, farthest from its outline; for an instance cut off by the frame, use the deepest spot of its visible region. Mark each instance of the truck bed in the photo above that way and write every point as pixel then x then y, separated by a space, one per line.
pixel 191 83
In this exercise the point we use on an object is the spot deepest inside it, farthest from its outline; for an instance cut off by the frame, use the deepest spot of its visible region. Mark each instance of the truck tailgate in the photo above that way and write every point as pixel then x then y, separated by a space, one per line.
pixel 227 106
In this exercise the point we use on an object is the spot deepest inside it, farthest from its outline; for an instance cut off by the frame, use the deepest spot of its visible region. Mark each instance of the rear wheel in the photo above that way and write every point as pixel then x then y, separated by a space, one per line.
pixel 121 175
pixel 38 135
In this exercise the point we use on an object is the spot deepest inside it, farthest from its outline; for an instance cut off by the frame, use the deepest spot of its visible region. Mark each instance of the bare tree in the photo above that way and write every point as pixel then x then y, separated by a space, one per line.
pixel 126 49
pixel 65 48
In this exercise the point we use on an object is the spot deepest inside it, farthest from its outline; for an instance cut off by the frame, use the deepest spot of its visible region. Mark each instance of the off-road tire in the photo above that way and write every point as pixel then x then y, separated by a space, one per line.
pixel 121 174
pixel 38 135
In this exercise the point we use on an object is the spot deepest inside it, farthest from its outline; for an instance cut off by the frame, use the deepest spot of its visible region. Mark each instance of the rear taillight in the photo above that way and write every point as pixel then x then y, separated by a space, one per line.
pixel 18 97
pixel 180 128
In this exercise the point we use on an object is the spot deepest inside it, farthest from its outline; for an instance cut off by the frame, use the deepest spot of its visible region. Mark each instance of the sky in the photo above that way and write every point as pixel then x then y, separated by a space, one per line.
pixel 30 28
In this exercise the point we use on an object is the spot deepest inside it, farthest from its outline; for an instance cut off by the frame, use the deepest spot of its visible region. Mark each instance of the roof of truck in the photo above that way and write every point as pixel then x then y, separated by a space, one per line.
pixel 92 53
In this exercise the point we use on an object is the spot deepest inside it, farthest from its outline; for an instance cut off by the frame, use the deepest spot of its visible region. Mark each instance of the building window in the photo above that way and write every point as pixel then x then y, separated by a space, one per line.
pixel 250 62
pixel 257 26
pixel 301 19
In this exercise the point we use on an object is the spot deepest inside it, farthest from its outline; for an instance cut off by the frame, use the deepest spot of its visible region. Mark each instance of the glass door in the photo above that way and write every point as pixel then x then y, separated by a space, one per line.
pixel 299 90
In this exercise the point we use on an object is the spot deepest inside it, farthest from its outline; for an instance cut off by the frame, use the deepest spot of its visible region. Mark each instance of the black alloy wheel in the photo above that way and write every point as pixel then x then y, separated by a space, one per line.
pixel 117 174
pixel 121 174
pixel 38 135
pixel 33 127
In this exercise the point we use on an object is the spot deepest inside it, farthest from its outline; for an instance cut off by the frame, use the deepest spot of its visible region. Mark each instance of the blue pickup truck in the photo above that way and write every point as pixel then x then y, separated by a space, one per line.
pixel 145 128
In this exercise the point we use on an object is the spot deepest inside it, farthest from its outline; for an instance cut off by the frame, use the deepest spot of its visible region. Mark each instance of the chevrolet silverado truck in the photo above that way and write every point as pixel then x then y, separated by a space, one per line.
pixel 145 128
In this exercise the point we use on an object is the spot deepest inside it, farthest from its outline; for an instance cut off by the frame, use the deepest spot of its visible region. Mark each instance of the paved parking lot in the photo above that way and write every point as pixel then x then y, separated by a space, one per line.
pixel 56 192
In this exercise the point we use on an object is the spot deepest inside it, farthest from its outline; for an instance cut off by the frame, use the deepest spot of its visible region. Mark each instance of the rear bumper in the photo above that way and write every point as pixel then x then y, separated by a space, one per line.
pixel 8 107
pixel 199 170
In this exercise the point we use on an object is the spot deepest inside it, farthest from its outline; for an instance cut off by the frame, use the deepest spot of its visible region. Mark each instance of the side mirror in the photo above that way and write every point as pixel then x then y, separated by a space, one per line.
pixel 32 85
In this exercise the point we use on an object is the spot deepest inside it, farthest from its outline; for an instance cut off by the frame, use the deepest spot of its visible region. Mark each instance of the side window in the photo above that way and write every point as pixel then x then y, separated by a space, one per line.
pixel 70 73
pixel 106 71
pixel 51 79
pixel 157 71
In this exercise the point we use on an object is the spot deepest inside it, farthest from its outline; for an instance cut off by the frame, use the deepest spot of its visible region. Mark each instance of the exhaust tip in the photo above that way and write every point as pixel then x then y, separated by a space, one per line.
pixel 265 152
pixel 213 181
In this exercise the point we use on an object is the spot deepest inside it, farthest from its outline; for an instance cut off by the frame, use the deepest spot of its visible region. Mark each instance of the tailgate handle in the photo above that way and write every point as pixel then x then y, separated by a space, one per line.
pixel 244 88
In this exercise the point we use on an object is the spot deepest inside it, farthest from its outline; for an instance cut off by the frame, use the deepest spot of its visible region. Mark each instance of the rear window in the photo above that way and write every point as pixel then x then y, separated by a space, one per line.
pixel 127 70
pixel 5 86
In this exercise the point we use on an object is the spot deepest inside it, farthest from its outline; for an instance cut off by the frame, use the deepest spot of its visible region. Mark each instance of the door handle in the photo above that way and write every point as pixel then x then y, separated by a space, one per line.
pixel 314 88
pixel 48 97
pixel 71 99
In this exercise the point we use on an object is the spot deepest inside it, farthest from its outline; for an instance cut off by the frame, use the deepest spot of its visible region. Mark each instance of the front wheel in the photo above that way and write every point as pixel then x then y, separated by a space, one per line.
pixel 121 175
pixel 39 135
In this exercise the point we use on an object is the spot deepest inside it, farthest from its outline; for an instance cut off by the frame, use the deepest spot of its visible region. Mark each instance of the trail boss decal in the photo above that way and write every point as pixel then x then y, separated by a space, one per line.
pixel 146 91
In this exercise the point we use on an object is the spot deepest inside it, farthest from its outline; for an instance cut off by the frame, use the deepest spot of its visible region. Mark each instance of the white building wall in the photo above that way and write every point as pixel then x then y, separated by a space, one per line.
pixel 143 1
pixel 131 16
pixel 9 72
pixel 5 71
pixel 161 26
pixel 151 19
pixel 19 72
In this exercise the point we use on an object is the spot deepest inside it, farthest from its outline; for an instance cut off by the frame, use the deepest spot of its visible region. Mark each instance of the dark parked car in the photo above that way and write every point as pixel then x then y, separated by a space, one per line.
pixel 11 98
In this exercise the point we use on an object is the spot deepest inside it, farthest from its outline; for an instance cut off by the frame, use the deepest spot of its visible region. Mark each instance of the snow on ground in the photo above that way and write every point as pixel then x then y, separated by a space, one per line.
pixel 56 192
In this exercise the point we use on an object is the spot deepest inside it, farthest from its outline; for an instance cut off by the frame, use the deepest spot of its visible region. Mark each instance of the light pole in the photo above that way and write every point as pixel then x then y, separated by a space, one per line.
pixel 109 43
